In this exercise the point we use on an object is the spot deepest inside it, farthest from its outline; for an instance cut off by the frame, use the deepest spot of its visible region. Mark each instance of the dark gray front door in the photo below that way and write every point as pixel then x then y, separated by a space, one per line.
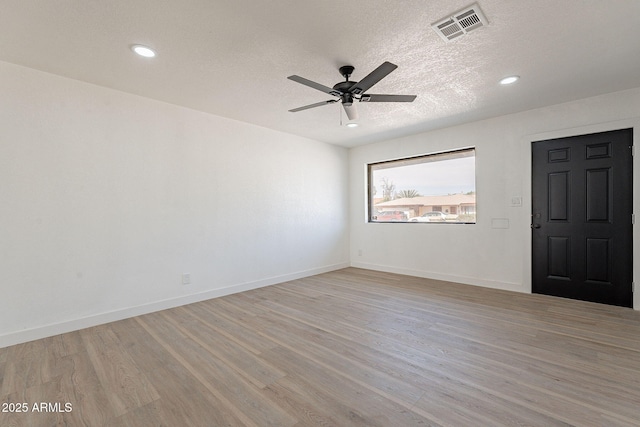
pixel 582 231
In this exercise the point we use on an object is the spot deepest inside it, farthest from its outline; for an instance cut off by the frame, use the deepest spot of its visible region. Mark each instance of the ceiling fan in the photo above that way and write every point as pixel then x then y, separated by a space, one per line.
pixel 347 91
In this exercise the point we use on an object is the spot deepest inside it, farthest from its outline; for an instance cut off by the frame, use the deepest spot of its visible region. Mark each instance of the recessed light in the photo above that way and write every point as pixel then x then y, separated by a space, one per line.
pixel 509 80
pixel 145 51
pixel 352 125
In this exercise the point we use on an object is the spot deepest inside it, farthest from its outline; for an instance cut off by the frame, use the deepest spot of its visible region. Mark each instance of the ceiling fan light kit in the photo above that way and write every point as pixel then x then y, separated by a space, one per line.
pixel 347 92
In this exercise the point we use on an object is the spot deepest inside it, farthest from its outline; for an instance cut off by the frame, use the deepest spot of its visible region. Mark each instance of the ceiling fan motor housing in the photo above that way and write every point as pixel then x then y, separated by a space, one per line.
pixel 347 99
pixel 344 87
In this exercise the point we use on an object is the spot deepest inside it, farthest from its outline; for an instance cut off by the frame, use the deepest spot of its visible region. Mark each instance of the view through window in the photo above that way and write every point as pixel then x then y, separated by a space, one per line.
pixel 431 188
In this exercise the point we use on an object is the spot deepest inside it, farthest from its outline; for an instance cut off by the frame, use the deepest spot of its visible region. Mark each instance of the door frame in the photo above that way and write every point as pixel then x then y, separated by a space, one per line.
pixel 526 169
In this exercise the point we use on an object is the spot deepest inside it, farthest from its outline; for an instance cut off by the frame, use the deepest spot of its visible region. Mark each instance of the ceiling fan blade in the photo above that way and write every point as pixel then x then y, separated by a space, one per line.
pixel 387 98
pixel 314 85
pixel 372 78
pixel 351 111
pixel 317 104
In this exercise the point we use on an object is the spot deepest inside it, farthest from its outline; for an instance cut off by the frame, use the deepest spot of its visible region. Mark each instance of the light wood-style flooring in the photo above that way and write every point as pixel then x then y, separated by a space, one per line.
pixel 347 348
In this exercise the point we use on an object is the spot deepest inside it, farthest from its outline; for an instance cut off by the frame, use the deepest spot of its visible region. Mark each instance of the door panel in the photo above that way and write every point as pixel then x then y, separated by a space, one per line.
pixel 598 194
pixel 559 192
pixel 559 257
pixel 598 262
pixel 582 231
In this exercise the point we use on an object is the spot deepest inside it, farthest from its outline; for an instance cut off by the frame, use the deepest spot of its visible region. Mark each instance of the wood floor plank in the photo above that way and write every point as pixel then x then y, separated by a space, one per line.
pixel 184 400
pixel 342 397
pixel 229 327
pixel 314 343
pixel 23 368
pixel 125 385
pixel 82 388
pixel 219 377
pixel 311 412
pixel 462 404
pixel 151 414
pixel 346 348
pixel 244 363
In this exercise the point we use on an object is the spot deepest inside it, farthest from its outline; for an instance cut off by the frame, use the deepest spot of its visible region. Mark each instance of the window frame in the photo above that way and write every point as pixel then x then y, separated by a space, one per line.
pixel 415 160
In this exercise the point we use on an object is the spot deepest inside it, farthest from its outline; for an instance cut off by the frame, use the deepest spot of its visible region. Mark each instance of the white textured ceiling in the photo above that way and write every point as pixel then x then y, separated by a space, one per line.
pixel 231 57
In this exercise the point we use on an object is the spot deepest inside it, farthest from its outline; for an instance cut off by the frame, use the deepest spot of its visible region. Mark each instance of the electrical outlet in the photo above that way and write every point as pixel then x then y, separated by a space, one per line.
pixel 186 278
pixel 359 252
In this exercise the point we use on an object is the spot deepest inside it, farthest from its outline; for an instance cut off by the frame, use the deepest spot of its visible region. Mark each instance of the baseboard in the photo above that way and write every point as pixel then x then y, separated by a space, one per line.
pixel 26 335
pixel 516 287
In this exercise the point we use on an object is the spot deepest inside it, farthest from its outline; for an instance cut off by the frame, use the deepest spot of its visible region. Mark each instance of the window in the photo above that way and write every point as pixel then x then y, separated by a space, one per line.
pixel 431 188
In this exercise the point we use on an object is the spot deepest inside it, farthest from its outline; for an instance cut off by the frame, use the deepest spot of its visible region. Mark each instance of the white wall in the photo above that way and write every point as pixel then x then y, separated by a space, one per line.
pixel 479 254
pixel 107 198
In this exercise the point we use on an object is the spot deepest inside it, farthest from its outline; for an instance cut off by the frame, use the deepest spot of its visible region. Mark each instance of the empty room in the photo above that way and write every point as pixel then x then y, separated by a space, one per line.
pixel 319 213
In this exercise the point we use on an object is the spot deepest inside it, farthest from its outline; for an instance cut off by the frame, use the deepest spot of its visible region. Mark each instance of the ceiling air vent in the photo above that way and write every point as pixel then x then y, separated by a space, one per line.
pixel 460 23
